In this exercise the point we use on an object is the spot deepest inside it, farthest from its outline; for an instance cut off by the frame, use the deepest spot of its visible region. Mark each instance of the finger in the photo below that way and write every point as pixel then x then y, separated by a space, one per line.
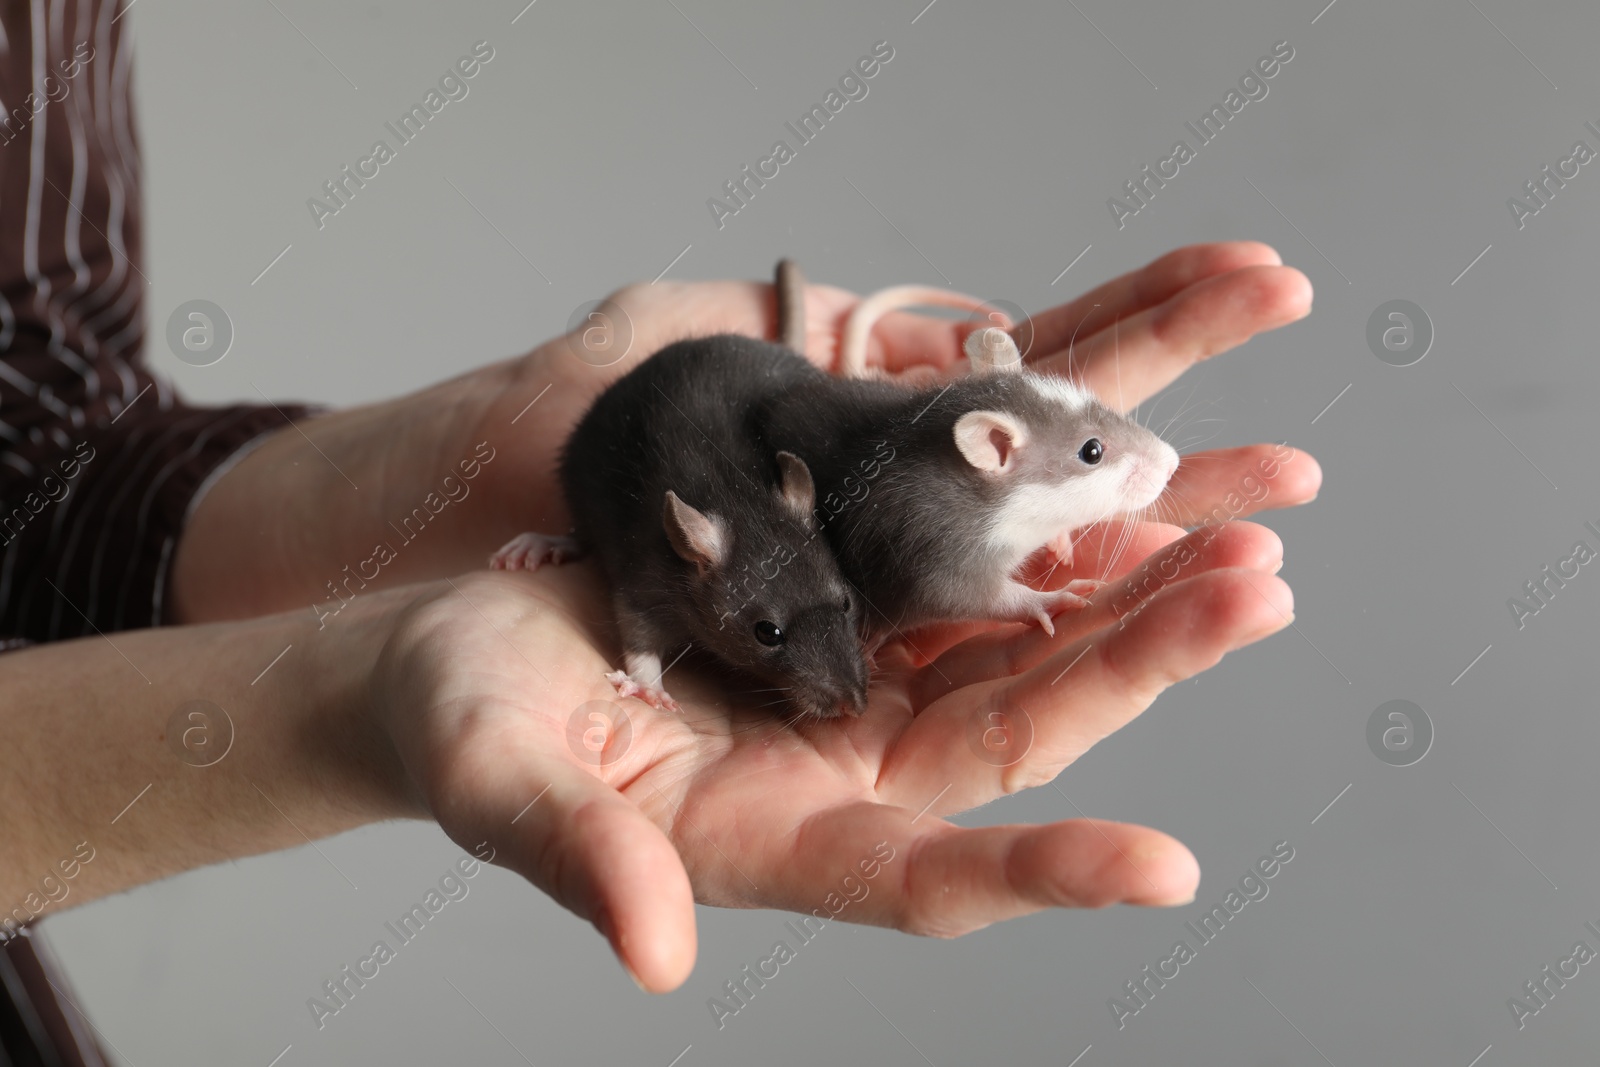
pixel 1144 352
pixel 1004 653
pixel 964 879
pixel 1131 663
pixel 592 850
pixel 995 738
pixel 1231 483
pixel 892 866
pixel 1053 331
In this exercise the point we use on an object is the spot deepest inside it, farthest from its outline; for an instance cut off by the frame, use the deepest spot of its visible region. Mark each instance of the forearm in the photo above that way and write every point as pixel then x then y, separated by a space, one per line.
pixel 415 488
pixel 291 510
pixel 281 527
pixel 95 751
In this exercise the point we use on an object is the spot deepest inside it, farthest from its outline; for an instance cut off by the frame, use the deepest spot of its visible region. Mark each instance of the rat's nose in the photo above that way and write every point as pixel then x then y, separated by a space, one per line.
pixel 852 703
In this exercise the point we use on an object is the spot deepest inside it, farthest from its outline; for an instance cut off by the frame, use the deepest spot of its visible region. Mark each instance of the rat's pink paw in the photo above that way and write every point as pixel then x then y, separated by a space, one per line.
pixel 627 687
pixel 1061 547
pixel 1046 623
pixel 1072 598
pixel 525 552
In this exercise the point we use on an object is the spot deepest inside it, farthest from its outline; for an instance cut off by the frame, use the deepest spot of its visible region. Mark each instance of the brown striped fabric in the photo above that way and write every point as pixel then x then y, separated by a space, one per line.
pixel 40 1023
pixel 100 461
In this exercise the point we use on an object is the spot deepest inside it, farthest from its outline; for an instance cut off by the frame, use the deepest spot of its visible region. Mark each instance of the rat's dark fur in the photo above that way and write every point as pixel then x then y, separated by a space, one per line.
pixel 687 422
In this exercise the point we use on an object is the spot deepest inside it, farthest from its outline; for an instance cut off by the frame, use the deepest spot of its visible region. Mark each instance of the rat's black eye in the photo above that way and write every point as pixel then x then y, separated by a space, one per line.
pixel 769 633
pixel 1092 451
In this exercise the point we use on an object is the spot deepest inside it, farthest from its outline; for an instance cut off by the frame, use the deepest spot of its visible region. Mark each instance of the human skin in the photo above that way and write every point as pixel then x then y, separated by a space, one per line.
pixel 291 510
pixel 463 701
pixel 455 698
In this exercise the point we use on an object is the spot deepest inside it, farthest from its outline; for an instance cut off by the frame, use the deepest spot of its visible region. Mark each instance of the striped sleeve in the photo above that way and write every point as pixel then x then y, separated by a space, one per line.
pixel 39 1020
pixel 100 462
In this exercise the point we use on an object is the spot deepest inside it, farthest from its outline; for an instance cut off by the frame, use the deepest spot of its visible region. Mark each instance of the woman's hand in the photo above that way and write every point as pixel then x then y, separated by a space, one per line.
pixel 1126 340
pixel 492 689
pixel 482 702
pixel 488 685
pixel 308 510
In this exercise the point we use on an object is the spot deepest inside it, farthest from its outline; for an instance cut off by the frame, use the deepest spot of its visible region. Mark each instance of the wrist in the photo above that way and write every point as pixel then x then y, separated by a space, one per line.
pixel 341 736
pixel 297 698
pixel 179 747
pixel 311 499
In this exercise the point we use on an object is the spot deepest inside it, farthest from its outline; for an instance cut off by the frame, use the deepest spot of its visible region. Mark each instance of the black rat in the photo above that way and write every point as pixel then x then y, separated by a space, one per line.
pixel 706 536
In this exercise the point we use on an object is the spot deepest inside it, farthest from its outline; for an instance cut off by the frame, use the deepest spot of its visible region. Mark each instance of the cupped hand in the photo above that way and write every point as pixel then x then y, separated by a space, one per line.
pixel 492 689
pixel 309 505
pixel 1126 340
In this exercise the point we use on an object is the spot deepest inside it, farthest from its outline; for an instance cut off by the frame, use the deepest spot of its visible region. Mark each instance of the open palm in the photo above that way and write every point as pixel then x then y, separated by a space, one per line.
pixel 493 690
pixel 493 687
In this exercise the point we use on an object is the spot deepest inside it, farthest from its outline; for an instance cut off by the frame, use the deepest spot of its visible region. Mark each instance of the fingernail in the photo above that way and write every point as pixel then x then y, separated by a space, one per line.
pixel 1278 624
pixel 635 977
pixel 1178 903
pixel 603 923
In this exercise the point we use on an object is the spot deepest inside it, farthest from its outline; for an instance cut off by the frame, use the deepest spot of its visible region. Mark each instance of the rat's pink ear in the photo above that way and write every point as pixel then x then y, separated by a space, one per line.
pixel 697 537
pixel 990 440
pixel 795 485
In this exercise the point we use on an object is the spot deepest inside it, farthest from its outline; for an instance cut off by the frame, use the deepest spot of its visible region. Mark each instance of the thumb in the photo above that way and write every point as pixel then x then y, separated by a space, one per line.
pixel 597 855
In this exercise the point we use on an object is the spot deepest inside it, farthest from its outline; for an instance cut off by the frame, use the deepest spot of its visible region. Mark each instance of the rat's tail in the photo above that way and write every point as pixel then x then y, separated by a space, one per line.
pixel 791 291
pixel 858 328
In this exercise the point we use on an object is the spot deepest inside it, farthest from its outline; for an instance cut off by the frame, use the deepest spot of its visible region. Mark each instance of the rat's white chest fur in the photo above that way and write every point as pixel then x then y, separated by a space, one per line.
pixel 1036 513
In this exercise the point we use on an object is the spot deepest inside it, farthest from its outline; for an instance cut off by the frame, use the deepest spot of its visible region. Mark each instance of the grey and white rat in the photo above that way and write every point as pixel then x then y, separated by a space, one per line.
pixel 980 473
pixel 706 536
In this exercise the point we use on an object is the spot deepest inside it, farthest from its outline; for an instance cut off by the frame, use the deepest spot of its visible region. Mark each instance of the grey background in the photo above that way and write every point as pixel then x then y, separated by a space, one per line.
pixel 991 140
